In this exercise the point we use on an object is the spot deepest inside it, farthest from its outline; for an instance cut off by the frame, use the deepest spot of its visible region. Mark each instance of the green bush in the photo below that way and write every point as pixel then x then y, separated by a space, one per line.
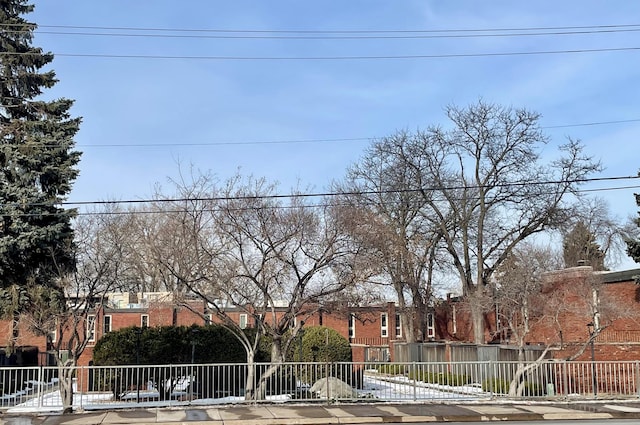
pixel 393 368
pixel 532 389
pixel 320 344
pixel 324 346
pixel 500 386
pixel 495 385
pixel 172 345
pixel 443 378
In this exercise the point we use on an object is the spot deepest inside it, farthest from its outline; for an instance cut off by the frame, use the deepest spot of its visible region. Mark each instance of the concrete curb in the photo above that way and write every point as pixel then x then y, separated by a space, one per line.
pixel 354 414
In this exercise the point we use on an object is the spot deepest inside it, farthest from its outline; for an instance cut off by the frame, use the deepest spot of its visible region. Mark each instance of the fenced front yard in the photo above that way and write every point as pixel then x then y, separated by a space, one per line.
pixel 101 387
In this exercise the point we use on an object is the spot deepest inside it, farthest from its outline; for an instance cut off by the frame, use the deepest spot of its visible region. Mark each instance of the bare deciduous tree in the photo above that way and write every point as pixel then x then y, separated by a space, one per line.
pixel 488 189
pixel 244 249
pixel 519 301
pixel 384 214
pixel 71 312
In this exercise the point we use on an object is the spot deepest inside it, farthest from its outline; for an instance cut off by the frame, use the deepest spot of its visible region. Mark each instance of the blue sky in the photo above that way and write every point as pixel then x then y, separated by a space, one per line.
pixel 158 109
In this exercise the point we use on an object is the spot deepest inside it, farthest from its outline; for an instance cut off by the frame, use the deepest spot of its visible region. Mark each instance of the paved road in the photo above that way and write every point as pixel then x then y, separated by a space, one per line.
pixel 608 413
pixel 569 422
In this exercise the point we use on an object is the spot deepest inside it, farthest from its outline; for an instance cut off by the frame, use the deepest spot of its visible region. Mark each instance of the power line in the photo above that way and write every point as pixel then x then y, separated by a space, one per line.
pixel 229 143
pixel 328 58
pixel 306 31
pixel 326 194
pixel 295 141
pixel 333 194
pixel 405 36
pixel 592 123
pixel 246 208
pixel 328 140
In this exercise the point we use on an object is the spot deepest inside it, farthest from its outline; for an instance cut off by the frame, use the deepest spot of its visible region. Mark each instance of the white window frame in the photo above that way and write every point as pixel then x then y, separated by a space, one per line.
pixel 243 320
pixel 352 325
pixel 454 320
pixel 52 336
pixel 384 325
pixel 398 325
pixel 91 327
pixel 431 326
pixel 144 318
pixel 208 319
pixel 107 319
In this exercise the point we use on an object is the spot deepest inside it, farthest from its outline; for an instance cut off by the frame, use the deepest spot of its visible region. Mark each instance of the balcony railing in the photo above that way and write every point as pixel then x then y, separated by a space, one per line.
pixel 105 387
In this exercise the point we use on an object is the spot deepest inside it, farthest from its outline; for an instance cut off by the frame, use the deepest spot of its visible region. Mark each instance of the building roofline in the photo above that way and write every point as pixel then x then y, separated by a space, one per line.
pixel 620 276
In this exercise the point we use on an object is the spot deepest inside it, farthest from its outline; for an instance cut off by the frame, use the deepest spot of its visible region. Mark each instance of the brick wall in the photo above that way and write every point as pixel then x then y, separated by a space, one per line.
pixel 620 340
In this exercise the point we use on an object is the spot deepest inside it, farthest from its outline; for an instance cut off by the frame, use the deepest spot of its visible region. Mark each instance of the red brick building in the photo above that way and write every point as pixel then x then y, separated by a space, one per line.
pixel 374 330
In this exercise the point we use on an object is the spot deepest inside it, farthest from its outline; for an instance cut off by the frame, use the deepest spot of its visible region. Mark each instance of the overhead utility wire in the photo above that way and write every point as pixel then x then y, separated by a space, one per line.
pixel 296 141
pixel 332 37
pixel 328 58
pixel 591 123
pixel 271 207
pixel 299 141
pixel 331 194
pixel 363 31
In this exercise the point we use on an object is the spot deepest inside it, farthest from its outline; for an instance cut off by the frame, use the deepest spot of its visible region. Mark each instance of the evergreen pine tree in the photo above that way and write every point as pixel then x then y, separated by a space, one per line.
pixel 580 247
pixel 37 161
pixel 633 245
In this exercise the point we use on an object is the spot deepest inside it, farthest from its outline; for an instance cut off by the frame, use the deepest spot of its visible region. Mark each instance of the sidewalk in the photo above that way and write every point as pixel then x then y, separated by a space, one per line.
pixel 339 414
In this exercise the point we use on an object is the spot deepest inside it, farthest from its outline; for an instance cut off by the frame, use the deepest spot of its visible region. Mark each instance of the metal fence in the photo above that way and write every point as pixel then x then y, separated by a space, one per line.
pixel 104 387
pixel 460 352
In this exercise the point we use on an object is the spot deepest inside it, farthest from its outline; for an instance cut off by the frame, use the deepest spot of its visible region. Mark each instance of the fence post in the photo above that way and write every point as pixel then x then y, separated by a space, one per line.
pixel 41 385
pixel 415 381
pixel 494 378
pixel 80 385
pixel 637 378
pixel 565 379
pixel 328 382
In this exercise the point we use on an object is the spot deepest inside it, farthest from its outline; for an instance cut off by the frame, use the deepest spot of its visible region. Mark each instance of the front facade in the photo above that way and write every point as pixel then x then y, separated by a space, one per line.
pixel 375 331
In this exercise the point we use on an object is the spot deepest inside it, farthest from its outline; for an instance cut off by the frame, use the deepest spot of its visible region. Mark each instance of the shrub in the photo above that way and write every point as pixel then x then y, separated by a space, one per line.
pixel 501 386
pixel 321 344
pixel 393 368
pixel 442 378
pixel 532 389
pixel 172 345
pixel 495 385
pixel 324 346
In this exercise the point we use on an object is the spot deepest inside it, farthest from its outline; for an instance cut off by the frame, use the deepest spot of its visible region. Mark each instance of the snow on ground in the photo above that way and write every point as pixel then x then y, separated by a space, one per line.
pixel 398 388
pixel 378 387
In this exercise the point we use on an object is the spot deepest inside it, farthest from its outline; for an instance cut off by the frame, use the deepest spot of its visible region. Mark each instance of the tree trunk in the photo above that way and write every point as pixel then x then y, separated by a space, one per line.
pixel 261 390
pixel 477 319
pixel 250 383
pixel 65 373
pixel 277 359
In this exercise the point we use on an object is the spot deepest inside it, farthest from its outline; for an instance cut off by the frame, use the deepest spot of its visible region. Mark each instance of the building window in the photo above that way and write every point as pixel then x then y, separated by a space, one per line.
pixel 377 354
pixel 454 320
pixel 144 320
pixel 208 319
pixel 384 325
pixel 106 325
pixel 352 325
pixel 398 326
pixel 51 339
pixel 431 326
pixel 242 322
pixel 91 327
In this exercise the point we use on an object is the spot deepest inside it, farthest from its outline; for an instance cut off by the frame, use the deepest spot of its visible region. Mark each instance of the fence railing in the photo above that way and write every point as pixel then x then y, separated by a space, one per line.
pixel 103 387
